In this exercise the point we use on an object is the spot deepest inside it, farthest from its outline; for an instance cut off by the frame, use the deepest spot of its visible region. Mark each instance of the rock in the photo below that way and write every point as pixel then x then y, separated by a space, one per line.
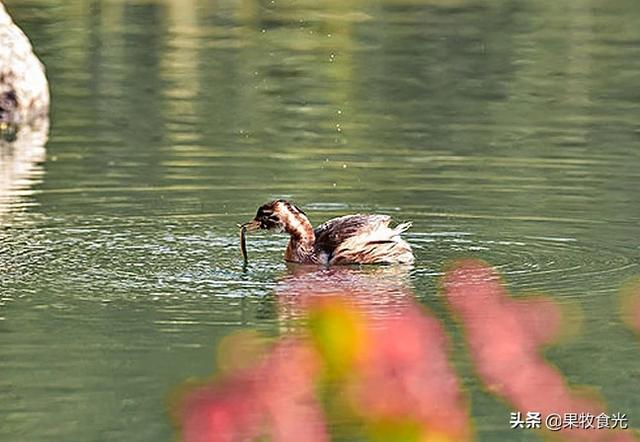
pixel 24 91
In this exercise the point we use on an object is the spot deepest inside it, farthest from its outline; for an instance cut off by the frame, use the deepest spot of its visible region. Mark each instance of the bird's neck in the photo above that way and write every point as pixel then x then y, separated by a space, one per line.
pixel 298 226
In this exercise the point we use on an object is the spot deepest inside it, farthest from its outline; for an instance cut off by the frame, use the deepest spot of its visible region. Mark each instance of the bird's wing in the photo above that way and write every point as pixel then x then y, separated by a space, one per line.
pixel 334 232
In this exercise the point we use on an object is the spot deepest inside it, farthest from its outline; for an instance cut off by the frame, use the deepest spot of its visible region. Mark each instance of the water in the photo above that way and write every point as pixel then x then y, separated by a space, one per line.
pixel 504 130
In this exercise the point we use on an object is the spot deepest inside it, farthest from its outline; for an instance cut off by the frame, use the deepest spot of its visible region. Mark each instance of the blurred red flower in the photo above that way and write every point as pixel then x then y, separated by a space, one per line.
pixel 405 375
pixel 388 375
pixel 505 335
pixel 274 399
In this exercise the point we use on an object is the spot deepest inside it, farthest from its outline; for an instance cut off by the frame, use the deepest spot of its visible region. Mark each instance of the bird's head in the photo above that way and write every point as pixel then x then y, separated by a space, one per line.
pixel 274 216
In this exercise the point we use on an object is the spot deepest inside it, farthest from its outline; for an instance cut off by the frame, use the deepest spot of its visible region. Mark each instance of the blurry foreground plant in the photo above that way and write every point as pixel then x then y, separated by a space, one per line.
pixel 379 378
pixel 370 360
pixel 506 350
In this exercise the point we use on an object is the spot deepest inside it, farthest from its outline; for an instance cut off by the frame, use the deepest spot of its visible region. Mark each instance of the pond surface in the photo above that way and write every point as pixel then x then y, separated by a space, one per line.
pixel 506 131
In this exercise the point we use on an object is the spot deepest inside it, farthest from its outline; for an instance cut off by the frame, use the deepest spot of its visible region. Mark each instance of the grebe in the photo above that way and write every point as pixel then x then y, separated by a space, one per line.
pixel 351 239
pixel 24 91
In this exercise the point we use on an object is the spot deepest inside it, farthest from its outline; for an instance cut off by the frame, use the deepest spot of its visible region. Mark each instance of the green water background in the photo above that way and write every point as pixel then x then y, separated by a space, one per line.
pixel 505 130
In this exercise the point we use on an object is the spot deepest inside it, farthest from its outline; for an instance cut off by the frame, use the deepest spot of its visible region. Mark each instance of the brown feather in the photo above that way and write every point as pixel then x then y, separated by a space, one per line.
pixel 336 231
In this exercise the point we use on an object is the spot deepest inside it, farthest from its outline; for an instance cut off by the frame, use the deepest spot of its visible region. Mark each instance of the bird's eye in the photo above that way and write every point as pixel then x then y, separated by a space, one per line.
pixel 269 221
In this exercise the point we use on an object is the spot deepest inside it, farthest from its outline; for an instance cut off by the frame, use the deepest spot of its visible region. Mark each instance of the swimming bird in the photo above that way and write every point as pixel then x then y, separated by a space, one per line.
pixel 351 239
pixel 24 91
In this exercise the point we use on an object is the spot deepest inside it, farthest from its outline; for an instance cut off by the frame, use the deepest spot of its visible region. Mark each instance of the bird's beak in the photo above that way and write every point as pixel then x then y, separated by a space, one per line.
pixel 251 225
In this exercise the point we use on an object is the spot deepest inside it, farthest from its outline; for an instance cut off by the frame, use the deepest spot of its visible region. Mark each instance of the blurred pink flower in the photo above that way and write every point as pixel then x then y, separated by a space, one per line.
pixel 275 399
pixel 405 374
pixel 381 361
pixel 392 353
pixel 504 336
pixel 363 340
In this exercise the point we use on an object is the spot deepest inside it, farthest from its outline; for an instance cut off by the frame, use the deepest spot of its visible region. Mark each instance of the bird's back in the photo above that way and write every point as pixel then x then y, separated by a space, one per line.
pixel 362 239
